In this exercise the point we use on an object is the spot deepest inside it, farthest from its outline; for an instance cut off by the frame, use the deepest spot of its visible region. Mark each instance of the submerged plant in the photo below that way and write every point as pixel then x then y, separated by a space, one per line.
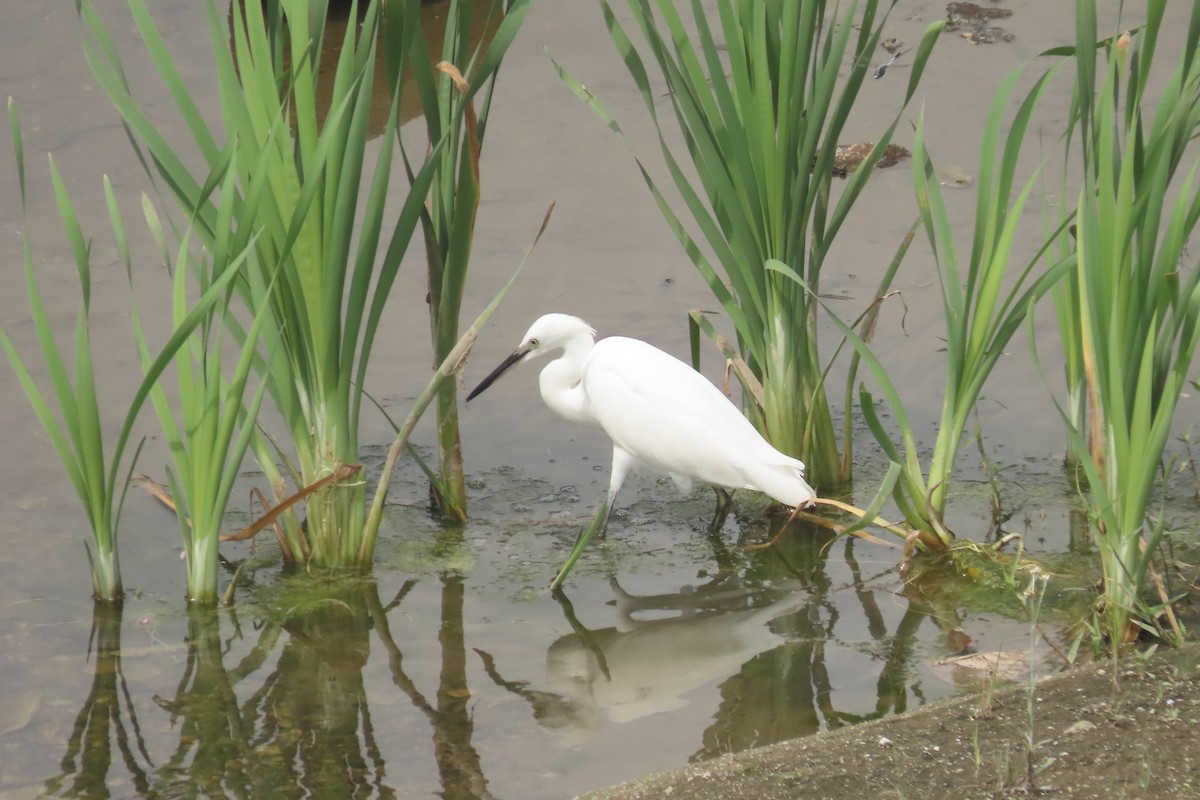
pixel 1138 321
pixel 761 95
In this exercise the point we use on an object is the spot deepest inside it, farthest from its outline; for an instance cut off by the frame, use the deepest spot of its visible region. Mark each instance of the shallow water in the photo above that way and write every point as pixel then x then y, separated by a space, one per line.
pixel 452 672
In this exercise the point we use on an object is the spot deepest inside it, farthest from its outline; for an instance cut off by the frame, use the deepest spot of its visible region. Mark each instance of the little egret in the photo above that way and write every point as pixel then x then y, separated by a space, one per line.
pixel 659 412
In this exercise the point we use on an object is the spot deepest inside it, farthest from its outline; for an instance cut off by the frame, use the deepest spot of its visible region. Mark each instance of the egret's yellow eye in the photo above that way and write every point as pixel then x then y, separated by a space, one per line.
pixel 533 342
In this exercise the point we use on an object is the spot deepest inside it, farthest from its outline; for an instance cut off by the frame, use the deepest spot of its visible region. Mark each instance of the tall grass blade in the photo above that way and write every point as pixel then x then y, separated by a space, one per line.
pixel 464 70
pixel 450 367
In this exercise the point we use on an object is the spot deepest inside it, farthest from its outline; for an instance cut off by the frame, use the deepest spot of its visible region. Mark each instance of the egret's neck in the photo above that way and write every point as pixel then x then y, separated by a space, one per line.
pixel 561 383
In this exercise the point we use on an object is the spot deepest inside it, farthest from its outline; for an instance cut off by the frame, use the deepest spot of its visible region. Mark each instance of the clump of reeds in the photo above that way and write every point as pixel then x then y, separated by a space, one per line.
pixel 301 211
pixel 761 93
pixel 984 303
pixel 95 465
pixel 1136 297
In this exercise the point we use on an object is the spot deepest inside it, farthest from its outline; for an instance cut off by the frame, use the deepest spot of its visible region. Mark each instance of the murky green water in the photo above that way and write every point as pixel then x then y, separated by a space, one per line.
pixel 452 671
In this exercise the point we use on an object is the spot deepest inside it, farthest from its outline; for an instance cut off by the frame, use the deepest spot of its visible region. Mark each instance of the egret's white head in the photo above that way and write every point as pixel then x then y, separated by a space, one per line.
pixel 551 332
pixel 548 333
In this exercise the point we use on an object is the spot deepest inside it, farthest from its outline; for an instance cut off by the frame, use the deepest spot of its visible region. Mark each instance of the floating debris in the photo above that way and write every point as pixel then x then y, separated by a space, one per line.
pixel 882 69
pixel 847 157
pixel 953 177
pixel 1005 665
pixel 974 22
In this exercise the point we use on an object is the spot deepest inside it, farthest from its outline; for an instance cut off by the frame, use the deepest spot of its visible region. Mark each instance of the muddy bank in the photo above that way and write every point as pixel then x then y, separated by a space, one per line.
pixel 1095 736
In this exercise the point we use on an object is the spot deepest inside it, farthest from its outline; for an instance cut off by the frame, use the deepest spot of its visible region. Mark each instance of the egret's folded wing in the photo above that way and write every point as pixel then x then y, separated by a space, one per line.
pixel 674 419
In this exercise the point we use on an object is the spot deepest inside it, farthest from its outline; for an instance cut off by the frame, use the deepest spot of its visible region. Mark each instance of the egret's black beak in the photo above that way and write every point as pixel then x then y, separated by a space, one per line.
pixel 514 358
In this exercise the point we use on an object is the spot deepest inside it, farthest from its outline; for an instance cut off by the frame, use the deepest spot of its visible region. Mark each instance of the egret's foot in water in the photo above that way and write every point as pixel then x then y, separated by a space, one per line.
pixel 724 503
pixel 779 534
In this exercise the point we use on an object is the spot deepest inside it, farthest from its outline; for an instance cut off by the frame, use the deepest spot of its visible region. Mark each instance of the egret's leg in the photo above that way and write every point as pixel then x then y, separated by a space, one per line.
pixel 621 464
pixel 724 503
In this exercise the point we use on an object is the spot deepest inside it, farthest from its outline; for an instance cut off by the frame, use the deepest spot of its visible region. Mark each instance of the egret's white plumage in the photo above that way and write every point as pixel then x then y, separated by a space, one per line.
pixel 660 413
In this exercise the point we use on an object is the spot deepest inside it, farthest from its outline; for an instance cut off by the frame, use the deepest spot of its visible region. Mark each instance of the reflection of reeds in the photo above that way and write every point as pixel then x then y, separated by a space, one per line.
pixel 214 755
pixel 308 724
pixel 1137 324
pixel 312 719
pixel 761 94
pixel 459 763
pixel 106 717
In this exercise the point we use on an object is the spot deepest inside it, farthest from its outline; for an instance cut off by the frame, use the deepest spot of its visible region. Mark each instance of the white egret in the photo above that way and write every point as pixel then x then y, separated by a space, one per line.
pixel 660 413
